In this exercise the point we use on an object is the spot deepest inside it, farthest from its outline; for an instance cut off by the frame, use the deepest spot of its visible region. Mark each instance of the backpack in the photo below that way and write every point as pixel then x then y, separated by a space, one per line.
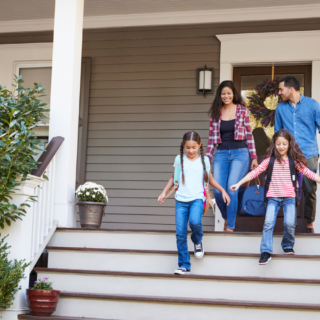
pixel 251 200
pixel 296 178
pixel 206 190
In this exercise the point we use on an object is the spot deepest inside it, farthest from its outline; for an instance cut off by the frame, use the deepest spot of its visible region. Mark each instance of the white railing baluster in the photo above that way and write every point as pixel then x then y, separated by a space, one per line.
pixel 43 223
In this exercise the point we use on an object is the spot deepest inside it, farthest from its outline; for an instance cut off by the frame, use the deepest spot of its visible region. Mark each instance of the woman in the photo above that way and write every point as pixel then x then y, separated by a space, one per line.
pixel 230 129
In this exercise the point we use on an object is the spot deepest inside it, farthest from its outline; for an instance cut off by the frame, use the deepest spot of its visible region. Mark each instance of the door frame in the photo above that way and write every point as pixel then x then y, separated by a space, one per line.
pixel 271 48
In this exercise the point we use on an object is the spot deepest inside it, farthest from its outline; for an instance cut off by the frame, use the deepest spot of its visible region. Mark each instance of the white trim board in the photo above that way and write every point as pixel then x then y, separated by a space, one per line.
pixel 272 48
pixel 173 18
pixel 13 56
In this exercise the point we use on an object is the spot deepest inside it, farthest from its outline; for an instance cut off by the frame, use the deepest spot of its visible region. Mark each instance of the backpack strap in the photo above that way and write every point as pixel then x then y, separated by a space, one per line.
pixel 293 174
pixel 176 177
pixel 207 168
pixel 268 178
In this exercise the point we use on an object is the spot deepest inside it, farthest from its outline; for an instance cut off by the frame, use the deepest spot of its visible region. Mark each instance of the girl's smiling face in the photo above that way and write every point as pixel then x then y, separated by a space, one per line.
pixel 282 146
pixel 227 95
pixel 191 149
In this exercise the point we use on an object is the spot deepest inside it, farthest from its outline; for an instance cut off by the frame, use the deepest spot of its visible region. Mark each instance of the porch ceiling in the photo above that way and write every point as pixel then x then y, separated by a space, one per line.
pixel 35 15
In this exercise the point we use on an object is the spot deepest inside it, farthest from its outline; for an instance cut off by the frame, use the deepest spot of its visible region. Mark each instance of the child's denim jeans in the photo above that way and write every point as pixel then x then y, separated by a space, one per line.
pixel 289 210
pixel 185 211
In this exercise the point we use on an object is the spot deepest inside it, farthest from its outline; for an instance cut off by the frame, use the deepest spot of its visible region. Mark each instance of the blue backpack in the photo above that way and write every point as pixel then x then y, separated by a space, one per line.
pixel 251 200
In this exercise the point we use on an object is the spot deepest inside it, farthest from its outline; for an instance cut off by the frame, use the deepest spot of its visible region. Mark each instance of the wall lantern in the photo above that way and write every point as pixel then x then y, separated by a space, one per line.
pixel 204 80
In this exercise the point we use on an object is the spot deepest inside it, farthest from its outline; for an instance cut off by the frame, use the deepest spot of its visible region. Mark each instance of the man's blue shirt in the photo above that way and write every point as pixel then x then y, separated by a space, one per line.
pixel 302 122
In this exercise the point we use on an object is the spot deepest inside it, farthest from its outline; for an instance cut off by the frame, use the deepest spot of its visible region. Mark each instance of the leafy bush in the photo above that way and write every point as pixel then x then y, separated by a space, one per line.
pixel 92 192
pixel 42 284
pixel 11 272
pixel 20 112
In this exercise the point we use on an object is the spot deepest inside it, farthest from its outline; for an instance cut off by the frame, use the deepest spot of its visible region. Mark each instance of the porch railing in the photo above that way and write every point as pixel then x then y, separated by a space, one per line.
pixel 44 224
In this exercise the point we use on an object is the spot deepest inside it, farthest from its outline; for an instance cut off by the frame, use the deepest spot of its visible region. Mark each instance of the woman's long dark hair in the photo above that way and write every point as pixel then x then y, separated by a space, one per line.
pixel 192 136
pixel 217 102
pixel 294 150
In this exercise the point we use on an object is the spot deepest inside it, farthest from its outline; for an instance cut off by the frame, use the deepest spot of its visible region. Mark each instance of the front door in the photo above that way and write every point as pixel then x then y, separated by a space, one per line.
pixel 245 80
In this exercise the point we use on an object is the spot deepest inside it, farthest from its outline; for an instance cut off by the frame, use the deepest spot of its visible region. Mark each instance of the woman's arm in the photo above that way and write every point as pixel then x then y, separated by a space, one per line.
pixel 214 183
pixel 210 148
pixel 166 189
pixel 250 141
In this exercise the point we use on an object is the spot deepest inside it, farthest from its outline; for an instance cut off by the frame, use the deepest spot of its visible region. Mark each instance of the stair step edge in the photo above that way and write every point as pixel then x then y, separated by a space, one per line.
pixel 234 254
pixel 174 276
pixel 194 301
pixel 238 233
pixel 31 317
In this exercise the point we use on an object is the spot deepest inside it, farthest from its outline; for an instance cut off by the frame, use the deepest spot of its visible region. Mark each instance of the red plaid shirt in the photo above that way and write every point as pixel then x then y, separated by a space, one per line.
pixel 242 131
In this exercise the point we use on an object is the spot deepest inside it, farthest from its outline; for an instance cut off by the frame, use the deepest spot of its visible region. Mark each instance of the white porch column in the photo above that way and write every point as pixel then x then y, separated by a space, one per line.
pixel 64 113
pixel 316 95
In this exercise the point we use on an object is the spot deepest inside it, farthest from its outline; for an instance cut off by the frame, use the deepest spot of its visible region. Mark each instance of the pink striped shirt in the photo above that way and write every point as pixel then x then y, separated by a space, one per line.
pixel 281 184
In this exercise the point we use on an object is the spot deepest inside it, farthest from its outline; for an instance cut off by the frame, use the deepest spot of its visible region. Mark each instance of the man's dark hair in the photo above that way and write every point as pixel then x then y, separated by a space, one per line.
pixel 291 82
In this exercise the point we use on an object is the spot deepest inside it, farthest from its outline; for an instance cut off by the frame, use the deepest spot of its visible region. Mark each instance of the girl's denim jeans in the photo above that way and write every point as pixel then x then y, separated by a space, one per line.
pixel 229 167
pixel 192 212
pixel 289 210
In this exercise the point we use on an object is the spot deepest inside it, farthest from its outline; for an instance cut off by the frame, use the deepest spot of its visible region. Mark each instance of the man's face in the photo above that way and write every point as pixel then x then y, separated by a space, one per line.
pixel 284 92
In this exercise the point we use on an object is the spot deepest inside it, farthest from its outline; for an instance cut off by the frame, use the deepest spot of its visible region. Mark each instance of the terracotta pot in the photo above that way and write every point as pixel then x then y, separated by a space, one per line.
pixel 42 302
pixel 91 214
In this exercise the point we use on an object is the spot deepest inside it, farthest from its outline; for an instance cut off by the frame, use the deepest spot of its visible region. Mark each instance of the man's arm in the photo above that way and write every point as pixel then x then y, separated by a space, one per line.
pixel 278 121
pixel 317 114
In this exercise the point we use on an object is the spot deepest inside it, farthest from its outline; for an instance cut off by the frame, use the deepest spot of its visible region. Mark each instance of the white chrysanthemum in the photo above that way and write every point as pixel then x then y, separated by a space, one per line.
pixel 87 193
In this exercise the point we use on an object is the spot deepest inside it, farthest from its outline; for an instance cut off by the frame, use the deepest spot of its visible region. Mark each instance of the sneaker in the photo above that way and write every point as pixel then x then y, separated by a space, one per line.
pixel 265 258
pixel 182 271
pixel 198 251
pixel 289 251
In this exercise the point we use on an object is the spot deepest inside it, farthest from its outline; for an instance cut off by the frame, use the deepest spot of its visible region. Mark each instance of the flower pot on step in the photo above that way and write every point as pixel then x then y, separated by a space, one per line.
pixel 91 214
pixel 42 302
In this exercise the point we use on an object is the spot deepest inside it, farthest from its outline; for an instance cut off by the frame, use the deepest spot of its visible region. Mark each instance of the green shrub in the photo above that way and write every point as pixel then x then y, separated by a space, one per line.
pixel 20 112
pixel 11 272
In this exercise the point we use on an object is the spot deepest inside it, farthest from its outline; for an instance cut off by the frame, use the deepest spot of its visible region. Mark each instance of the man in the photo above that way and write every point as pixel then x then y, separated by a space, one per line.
pixel 301 116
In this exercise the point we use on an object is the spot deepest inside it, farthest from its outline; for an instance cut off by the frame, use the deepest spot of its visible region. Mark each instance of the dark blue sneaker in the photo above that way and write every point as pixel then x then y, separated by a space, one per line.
pixel 289 251
pixel 265 258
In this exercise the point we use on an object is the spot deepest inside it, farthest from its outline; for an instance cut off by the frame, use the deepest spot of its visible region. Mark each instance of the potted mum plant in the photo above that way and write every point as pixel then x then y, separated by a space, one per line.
pixel 92 202
pixel 42 299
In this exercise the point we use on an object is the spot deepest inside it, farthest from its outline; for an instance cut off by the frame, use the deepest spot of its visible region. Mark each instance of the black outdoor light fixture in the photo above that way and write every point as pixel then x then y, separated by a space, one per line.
pixel 204 80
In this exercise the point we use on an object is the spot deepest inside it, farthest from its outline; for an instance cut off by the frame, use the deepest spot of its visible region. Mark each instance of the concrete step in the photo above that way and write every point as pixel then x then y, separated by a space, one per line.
pixel 156 261
pixel 30 317
pixel 204 287
pixel 159 308
pixel 166 240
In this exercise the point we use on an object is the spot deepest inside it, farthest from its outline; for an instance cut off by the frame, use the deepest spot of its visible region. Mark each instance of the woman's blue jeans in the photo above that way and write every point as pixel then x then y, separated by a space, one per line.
pixel 289 210
pixel 192 212
pixel 229 167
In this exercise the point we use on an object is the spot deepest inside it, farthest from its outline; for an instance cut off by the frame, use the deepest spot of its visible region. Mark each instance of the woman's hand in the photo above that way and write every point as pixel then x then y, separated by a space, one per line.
pixel 254 164
pixel 161 197
pixel 235 187
pixel 225 197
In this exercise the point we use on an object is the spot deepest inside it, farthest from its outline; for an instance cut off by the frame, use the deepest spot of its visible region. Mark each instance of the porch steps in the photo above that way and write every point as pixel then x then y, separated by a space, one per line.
pixel 207 287
pixel 128 274
pixel 237 242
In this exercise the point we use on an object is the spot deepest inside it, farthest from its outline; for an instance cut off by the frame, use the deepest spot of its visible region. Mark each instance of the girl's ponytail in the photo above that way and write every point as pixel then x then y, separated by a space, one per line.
pixel 181 161
pixel 205 173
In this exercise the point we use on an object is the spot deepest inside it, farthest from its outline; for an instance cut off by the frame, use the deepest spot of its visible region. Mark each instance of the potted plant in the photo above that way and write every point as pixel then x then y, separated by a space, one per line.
pixel 92 202
pixel 42 299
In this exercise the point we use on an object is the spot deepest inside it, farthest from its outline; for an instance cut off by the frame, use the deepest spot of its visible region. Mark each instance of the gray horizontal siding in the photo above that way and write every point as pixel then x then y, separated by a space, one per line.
pixel 142 100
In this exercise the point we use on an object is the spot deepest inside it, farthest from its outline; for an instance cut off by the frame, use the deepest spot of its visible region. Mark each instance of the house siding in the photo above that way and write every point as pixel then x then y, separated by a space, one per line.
pixel 142 100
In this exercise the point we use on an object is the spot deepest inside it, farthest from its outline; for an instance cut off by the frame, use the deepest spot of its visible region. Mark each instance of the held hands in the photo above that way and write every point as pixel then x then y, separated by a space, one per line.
pixel 254 164
pixel 161 197
pixel 225 197
pixel 235 187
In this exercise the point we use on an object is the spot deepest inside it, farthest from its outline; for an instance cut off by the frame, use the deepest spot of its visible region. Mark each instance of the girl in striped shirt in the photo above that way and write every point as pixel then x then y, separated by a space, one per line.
pixel 281 193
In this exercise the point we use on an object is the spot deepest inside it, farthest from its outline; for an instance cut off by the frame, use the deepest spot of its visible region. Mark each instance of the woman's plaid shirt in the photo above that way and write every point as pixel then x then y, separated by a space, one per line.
pixel 242 132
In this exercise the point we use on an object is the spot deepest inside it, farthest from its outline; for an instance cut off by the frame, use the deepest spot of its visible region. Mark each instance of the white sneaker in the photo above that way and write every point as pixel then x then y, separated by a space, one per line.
pixel 198 251
pixel 182 271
